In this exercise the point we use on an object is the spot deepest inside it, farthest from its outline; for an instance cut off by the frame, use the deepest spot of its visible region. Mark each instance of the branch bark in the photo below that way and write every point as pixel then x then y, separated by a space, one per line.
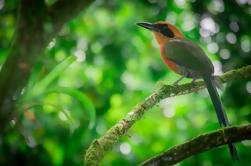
pixel 98 147
pixel 36 26
pixel 200 144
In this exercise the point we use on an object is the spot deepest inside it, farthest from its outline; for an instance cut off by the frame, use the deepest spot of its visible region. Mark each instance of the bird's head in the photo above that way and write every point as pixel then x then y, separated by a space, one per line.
pixel 163 31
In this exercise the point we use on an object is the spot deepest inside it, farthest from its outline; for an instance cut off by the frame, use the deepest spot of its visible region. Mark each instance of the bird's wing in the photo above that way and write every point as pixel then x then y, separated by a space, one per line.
pixel 189 55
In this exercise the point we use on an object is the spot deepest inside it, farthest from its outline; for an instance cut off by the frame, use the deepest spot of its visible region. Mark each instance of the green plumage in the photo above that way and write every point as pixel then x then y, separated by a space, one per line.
pixel 192 62
pixel 188 55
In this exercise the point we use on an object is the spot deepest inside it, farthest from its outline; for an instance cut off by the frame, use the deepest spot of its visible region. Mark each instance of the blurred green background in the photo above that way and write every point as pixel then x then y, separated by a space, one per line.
pixel 101 65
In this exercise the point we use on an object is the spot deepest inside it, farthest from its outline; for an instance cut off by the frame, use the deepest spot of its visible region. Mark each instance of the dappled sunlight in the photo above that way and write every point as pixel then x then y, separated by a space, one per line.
pixel 101 66
pixel 248 87
pixel 125 148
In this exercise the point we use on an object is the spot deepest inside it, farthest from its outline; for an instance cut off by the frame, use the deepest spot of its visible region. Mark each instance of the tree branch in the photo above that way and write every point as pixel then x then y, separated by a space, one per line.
pixel 98 147
pixel 200 144
pixel 36 26
pixel 64 10
pixel 23 52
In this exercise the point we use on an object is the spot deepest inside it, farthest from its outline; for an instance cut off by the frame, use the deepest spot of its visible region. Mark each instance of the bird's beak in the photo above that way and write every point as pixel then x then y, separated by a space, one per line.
pixel 146 25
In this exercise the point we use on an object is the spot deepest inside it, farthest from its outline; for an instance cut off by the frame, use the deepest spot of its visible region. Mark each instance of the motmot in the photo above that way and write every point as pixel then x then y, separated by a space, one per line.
pixel 188 60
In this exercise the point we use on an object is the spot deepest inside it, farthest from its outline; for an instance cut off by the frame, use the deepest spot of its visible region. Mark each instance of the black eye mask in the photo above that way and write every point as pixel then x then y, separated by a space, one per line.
pixel 165 30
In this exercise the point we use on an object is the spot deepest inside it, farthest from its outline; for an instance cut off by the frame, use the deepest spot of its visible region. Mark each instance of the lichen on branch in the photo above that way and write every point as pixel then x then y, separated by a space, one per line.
pixel 100 146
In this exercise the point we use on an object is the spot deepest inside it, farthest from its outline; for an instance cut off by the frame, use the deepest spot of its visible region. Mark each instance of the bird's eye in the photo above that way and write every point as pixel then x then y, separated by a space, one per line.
pixel 165 30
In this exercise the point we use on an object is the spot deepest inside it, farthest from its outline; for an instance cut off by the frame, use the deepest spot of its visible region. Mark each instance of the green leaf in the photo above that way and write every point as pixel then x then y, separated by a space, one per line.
pixel 45 82
pixel 84 101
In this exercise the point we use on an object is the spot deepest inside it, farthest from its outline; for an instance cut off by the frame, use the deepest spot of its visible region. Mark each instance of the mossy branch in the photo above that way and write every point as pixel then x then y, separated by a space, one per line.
pixel 98 147
pixel 200 144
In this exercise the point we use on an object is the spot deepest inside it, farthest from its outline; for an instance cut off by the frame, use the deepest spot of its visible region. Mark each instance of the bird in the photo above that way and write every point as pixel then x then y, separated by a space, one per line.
pixel 188 60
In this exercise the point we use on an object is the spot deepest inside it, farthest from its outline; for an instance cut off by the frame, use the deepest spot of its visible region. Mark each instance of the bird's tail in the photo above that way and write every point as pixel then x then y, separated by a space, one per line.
pixel 221 115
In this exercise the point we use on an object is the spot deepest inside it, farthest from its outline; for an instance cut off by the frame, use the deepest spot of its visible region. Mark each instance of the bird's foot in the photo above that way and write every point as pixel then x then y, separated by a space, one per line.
pixel 176 83
pixel 193 81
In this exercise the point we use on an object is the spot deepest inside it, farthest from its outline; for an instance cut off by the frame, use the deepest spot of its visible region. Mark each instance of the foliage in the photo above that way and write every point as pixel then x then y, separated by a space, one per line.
pixel 117 65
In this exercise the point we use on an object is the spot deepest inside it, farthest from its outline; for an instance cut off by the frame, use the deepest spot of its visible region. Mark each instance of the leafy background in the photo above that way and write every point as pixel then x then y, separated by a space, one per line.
pixel 101 65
